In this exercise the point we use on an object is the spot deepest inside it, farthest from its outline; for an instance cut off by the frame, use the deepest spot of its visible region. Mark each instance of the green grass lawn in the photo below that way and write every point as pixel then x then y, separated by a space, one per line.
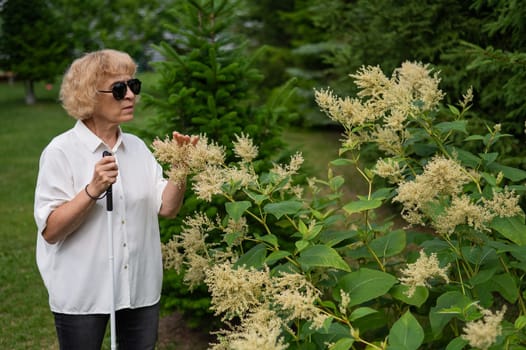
pixel 25 319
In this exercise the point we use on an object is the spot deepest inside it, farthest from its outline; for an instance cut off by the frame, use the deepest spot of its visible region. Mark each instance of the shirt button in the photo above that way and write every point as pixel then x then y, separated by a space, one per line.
pixel 125 267
pixel 122 221
pixel 124 245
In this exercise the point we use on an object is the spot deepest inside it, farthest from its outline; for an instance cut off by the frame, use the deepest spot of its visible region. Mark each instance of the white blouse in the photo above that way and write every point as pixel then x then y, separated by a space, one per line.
pixel 76 270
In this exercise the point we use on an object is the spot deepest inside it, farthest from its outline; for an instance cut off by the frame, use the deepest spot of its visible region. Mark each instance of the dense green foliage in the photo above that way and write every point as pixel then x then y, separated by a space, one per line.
pixel 477 43
pixel 127 25
pixel 208 86
pixel 39 38
pixel 297 46
pixel 33 43
pixel 317 271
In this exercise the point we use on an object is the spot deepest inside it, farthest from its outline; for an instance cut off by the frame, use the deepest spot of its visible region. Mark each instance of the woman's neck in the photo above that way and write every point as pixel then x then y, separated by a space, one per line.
pixel 108 133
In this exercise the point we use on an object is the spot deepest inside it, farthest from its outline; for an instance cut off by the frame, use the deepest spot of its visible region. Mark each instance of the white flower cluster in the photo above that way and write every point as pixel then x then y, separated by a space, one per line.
pixel 264 304
pixel 482 334
pixel 421 271
pixel 386 106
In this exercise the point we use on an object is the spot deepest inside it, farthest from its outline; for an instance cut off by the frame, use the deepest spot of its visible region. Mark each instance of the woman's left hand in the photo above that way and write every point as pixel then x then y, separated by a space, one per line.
pixel 185 139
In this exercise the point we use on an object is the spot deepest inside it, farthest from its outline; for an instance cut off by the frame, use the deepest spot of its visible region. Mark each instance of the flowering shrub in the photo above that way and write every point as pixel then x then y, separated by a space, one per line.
pixel 300 267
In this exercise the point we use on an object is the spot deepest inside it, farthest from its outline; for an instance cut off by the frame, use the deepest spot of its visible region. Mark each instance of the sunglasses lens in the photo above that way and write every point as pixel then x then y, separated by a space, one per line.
pixel 135 86
pixel 119 90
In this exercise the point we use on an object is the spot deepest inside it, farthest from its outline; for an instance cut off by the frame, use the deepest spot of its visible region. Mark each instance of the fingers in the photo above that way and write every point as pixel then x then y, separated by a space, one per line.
pixel 185 139
pixel 107 169
pixel 104 174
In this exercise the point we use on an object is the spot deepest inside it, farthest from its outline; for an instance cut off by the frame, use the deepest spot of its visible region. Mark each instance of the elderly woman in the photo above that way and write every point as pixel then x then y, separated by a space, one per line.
pixel 100 91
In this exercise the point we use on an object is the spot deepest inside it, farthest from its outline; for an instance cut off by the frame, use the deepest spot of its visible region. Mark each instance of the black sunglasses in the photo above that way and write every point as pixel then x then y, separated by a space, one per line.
pixel 119 88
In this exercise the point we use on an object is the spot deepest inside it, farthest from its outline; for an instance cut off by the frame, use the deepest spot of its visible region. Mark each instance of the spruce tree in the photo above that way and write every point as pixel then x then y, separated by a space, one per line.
pixel 207 81
pixel 208 85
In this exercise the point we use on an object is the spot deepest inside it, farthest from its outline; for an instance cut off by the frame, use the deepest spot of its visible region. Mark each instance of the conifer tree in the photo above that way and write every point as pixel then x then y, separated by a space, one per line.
pixel 33 43
pixel 208 85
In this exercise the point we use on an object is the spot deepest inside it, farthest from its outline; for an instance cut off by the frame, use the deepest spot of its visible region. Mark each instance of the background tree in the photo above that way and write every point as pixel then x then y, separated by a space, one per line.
pixel 297 47
pixel 477 43
pixel 207 85
pixel 33 43
pixel 128 25
pixel 496 68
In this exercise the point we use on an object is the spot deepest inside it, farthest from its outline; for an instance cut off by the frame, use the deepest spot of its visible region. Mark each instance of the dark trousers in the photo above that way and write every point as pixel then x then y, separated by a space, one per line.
pixel 136 329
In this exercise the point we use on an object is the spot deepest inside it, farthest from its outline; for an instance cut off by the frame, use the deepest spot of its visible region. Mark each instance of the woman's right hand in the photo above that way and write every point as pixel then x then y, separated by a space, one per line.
pixel 104 175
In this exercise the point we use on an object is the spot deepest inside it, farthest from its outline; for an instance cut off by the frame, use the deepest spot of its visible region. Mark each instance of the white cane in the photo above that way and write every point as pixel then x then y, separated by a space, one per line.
pixel 109 209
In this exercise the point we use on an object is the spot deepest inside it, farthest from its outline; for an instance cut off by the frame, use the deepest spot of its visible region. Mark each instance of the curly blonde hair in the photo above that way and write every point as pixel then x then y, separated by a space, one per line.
pixel 79 85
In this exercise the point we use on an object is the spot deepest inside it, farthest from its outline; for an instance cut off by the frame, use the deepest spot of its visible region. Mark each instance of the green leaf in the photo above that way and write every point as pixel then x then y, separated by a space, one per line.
pixel 389 245
pixel 474 138
pixel 457 344
pixel 424 149
pixel 512 228
pixel 362 205
pixel 325 335
pixel 255 257
pixel 342 344
pixel 457 125
pixel 480 255
pixel 301 245
pixel 489 158
pixel 332 238
pixel 336 182
pixel 322 256
pixel 406 333
pixel 366 284
pixel 465 157
pixel 518 252
pixel 341 161
pixel 313 232
pixel 493 139
pixel 519 189
pixel 361 312
pixel 328 304
pixel 276 256
pixel 490 178
pixel 236 209
pixel 257 198
pixel 382 193
pixel 418 298
pixel 302 228
pixel 520 322
pixel 438 318
pixel 270 239
pixel 513 174
pixel 506 286
pixel 230 238
pixel 482 276
pixel 283 208
pixel 453 110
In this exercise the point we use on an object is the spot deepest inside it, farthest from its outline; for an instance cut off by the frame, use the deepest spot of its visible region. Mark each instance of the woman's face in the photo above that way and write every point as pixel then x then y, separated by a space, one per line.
pixel 110 110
